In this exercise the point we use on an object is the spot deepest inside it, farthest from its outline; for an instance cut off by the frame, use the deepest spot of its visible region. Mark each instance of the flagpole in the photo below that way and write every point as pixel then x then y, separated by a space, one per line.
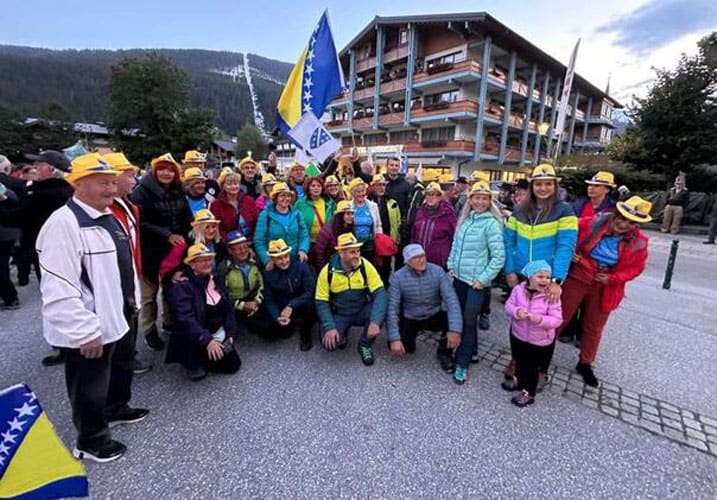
pixel 564 103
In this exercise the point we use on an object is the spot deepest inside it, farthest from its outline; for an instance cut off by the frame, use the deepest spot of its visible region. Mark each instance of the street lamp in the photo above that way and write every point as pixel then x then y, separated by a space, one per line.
pixel 542 130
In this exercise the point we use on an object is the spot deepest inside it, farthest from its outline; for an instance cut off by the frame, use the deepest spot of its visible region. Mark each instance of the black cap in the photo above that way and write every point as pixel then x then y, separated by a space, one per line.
pixel 522 184
pixel 462 180
pixel 54 158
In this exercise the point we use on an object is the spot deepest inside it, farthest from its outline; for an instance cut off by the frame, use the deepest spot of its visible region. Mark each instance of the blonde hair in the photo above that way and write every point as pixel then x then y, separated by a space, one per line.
pixel 197 233
pixel 467 209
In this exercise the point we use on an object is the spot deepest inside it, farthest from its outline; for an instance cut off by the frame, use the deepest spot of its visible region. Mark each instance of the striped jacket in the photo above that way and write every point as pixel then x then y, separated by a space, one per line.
pixel 550 237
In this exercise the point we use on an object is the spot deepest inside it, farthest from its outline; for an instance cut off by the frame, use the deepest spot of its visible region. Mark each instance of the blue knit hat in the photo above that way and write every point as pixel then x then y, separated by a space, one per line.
pixel 535 267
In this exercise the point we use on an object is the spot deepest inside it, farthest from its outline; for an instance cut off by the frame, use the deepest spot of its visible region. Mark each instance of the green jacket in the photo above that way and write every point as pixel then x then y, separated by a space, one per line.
pixel 305 206
pixel 241 291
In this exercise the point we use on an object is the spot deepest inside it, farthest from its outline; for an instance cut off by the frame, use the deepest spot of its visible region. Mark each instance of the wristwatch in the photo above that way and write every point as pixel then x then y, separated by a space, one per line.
pixel 557 281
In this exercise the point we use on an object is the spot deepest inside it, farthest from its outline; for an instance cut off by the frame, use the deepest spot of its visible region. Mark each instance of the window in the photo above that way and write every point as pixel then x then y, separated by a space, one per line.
pixel 404 136
pixel 451 96
pixel 403 37
pixel 373 139
pixel 438 134
pixel 454 57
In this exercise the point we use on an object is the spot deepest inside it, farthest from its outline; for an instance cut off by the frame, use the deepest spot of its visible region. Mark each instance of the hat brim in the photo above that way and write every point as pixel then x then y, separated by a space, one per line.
pixel 237 241
pixel 598 183
pixel 346 247
pixel 210 221
pixel 545 177
pixel 189 260
pixel 279 254
pixel 34 157
pixel 195 179
pixel 629 216
pixel 81 175
pixel 274 196
pixel 174 165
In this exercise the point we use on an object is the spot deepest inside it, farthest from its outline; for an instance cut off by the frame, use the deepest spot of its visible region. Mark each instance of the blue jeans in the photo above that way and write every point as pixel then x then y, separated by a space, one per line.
pixel 343 323
pixel 471 301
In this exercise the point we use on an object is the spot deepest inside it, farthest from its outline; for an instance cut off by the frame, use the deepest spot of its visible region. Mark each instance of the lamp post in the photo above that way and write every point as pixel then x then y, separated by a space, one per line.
pixel 542 130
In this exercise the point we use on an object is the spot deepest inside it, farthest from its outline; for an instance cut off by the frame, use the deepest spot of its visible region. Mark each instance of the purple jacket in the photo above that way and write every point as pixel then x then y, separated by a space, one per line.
pixel 435 232
pixel 541 334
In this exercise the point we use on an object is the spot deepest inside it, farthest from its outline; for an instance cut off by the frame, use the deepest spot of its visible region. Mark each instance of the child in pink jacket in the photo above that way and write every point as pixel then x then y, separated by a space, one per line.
pixel 532 330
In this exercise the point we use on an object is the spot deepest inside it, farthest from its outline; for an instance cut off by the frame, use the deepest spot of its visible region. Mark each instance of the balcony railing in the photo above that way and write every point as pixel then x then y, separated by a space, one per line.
pixel 395 53
pixel 393 86
pixel 465 106
pixel 439 145
pixel 365 64
pixel 389 119
pixel 447 69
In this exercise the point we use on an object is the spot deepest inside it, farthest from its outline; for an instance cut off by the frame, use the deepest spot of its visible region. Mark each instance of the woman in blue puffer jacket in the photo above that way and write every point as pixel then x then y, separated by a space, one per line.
pixel 477 255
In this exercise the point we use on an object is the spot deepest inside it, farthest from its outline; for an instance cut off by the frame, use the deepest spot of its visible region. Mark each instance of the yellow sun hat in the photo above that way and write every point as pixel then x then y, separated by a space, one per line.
pixel 602 178
pixel 378 179
pixel 197 251
pixel 89 164
pixel 193 174
pixel 356 182
pixel 635 209
pixel 119 162
pixel 282 187
pixel 277 248
pixel 166 158
pixel 480 187
pixel 331 180
pixel 268 179
pixel 433 186
pixel 226 172
pixel 193 156
pixel 346 241
pixel 204 216
pixel 543 171
pixel 247 160
pixel 344 206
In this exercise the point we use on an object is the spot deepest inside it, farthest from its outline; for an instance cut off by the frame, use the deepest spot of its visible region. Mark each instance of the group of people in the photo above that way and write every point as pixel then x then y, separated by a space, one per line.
pixel 347 248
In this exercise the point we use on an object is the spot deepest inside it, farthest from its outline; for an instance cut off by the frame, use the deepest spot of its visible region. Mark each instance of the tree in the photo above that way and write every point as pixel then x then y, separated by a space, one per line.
pixel 150 112
pixel 250 138
pixel 675 125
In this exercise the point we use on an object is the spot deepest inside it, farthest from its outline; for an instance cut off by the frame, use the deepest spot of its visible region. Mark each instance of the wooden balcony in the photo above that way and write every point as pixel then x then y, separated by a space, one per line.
pixel 447 69
pixel 365 64
pixel 390 119
pixel 363 123
pixel 336 124
pixel 395 53
pixel 393 86
pixel 443 108
pixel 438 146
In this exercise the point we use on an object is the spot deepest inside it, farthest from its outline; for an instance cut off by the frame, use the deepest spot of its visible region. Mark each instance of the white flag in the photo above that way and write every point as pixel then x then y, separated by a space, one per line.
pixel 565 97
pixel 314 138
pixel 419 171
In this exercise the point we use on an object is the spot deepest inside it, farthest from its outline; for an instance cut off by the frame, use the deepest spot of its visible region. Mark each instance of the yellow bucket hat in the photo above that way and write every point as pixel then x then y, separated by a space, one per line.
pixel 635 209
pixel 282 187
pixel 193 174
pixel 166 158
pixel 602 178
pixel 346 241
pixel 247 160
pixel 197 251
pixel 433 186
pixel 277 248
pixel 543 171
pixel 344 206
pixel 204 216
pixel 119 162
pixel 89 164
pixel 331 180
pixel 481 187
pixel 268 179
pixel 193 156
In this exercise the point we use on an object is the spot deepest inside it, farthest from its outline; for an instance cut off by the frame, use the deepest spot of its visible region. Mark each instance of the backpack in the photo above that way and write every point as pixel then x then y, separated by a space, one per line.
pixel 362 270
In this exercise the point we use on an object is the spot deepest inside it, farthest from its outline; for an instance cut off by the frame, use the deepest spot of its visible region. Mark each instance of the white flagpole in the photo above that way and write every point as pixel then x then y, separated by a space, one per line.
pixel 564 98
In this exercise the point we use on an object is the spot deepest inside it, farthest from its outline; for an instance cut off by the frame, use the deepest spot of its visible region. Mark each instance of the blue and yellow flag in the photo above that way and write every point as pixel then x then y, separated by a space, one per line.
pixel 34 463
pixel 314 82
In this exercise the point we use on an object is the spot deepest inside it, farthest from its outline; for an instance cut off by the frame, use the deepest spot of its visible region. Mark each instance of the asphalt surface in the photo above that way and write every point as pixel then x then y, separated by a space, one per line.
pixel 321 425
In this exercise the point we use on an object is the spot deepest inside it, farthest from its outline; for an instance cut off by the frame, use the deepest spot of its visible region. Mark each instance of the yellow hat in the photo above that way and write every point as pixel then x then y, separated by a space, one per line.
pixel 480 187
pixel 226 171
pixel 378 179
pixel 332 179
pixel 356 182
pixel 277 248
pixel 347 240
pixel 193 156
pixel 543 171
pixel 635 209
pixel 344 206
pixel 89 164
pixel 197 251
pixel 296 164
pixel 430 176
pixel 268 179
pixel 433 186
pixel 193 174
pixel 479 175
pixel 204 216
pixel 282 187
pixel 166 158
pixel 247 160
pixel 602 178
pixel 119 162
pixel 446 179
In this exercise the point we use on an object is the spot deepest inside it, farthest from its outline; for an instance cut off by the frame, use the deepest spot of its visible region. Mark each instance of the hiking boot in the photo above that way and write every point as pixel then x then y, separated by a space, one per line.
pixel 196 374
pixel 542 380
pixel 484 322
pixel 53 359
pixel 586 371
pixel 126 415
pixel 509 371
pixel 305 343
pixel 366 355
pixel 153 340
pixel 107 452
pixel 708 242
pixel 448 365
pixel 140 367
pixel 460 376
pixel 522 399
pixel 11 305
pixel 509 385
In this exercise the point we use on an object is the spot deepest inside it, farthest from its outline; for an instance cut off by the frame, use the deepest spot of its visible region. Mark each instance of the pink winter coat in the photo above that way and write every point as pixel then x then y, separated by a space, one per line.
pixel 541 334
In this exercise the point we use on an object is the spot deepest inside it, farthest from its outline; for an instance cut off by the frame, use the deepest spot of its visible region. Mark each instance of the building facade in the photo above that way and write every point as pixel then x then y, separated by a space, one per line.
pixel 461 91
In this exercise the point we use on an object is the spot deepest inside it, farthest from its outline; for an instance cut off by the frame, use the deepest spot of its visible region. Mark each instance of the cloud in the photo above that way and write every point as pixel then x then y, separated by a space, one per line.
pixel 660 22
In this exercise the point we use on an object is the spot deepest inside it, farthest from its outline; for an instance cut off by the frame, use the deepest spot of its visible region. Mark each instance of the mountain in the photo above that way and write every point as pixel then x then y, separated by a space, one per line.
pixel 34 79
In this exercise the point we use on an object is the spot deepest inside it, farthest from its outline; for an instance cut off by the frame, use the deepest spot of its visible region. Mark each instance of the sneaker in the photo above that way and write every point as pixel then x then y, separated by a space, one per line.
pixel 460 376
pixel 522 399
pixel 196 374
pixel 484 322
pixel 366 355
pixel 11 305
pixel 153 340
pixel 53 359
pixel 542 380
pixel 109 451
pixel 140 367
pixel 708 242
pixel 475 358
pixel 127 415
pixel 509 385
pixel 448 365
pixel 586 371
pixel 565 338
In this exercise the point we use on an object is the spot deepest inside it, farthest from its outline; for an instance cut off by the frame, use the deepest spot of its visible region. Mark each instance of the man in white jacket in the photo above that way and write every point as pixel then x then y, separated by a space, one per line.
pixel 88 283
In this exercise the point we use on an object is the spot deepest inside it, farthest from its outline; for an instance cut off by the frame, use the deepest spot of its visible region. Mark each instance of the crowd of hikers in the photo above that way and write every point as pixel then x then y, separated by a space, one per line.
pixel 187 260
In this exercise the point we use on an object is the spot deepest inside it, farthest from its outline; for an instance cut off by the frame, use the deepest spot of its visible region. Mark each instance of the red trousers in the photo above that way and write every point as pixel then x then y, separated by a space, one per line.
pixel 575 294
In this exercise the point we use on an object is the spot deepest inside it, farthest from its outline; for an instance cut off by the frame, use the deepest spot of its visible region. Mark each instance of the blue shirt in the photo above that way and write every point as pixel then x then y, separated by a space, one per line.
pixel 363 223
pixel 605 252
pixel 197 204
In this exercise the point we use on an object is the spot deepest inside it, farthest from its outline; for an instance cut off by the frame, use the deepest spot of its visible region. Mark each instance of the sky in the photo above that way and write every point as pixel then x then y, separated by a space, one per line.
pixel 621 39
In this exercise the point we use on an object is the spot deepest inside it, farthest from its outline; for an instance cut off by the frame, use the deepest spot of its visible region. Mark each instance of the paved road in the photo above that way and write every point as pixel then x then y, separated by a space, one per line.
pixel 319 425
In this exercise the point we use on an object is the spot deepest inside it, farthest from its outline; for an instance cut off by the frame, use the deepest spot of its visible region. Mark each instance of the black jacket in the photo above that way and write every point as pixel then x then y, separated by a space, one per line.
pixel 293 287
pixel 163 212
pixel 42 198
pixel 400 190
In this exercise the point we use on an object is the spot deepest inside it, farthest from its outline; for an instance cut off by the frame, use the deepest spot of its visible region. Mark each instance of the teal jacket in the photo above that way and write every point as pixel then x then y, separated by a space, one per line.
pixel 305 206
pixel 269 227
pixel 477 252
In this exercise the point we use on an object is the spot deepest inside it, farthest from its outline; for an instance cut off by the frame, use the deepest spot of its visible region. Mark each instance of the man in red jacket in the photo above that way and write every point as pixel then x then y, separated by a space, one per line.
pixel 611 251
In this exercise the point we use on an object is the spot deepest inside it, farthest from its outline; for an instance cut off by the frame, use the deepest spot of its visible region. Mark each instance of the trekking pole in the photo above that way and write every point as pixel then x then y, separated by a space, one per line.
pixel 670 265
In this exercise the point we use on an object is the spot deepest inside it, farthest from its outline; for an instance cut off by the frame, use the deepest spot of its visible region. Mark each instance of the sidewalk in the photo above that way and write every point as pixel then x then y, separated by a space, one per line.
pixel 685 229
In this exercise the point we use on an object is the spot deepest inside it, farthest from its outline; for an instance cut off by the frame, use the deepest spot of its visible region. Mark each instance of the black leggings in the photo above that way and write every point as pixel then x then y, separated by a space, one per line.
pixel 530 360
